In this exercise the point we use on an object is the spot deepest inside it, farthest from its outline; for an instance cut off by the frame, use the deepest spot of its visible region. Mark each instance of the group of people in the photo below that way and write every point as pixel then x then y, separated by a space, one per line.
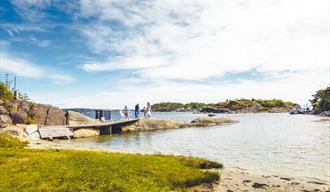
pixel 146 111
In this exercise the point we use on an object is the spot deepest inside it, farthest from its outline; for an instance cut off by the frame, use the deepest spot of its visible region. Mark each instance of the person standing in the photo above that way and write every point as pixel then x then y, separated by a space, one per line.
pixel 137 111
pixel 125 111
pixel 144 112
pixel 148 110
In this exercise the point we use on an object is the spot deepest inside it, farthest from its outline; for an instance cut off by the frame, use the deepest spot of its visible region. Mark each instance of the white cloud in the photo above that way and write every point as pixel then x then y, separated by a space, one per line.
pixel 24 68
pixel 31 10
pixel 161 39
pixel 169 44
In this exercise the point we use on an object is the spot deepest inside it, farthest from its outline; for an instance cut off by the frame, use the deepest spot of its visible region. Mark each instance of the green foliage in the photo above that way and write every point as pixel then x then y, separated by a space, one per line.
pixel 172 106
pixel 5 93
pixel 7 141
pixel 23 97
pixel 30 121
pixel 68 170
pixel 167 106
pixel 263 105
pixel 321 100
pixel 195 106
pixel 233 105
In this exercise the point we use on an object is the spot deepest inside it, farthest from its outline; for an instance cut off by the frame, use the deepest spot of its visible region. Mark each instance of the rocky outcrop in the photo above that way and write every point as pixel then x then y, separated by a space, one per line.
pixel 48 115
pixel 256 108
pixel 75 118
pixel 5 120
pixel 279 110
pixel 325 113
pixel 152 124
pixel 3 110
pixel 214 110
pixel 208 121
pixel 18 117
pixel 158 124
pixel 82 133
pixel 15 130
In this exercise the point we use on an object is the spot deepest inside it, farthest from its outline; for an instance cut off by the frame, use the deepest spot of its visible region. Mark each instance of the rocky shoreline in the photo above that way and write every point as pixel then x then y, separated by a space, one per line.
pixel 238 179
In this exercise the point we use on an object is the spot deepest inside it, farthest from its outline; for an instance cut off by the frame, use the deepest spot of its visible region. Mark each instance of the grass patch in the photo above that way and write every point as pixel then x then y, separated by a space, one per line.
pixel 7 141
pixel 71 170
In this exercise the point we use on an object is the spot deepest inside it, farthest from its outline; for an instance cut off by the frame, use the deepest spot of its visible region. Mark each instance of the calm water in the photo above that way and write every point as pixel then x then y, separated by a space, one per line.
pixel 296 145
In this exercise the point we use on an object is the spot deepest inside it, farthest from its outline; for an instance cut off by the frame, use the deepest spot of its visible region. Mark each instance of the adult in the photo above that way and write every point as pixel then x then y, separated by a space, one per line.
pixel 137 111
pixel 145 112
pixel 148 110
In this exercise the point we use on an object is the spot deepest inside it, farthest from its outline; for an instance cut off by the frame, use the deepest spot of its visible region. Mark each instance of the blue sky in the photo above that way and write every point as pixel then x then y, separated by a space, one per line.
pixel 107 54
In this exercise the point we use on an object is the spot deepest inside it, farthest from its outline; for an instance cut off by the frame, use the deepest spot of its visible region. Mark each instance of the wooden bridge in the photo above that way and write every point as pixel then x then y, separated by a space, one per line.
pixel 105 128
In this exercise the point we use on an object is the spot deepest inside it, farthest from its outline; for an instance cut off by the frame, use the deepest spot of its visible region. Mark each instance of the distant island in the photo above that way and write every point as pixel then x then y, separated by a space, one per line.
pixel 229 106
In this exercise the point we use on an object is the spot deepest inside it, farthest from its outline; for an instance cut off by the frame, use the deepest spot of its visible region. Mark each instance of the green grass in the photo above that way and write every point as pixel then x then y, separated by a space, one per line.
pixel 7 141
pixel 69 170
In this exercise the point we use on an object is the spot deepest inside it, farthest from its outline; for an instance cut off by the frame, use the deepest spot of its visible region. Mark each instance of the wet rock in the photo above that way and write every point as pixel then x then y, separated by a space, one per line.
pixel 259 185
pixel 18 117
pixel 285 178
pixel 316 182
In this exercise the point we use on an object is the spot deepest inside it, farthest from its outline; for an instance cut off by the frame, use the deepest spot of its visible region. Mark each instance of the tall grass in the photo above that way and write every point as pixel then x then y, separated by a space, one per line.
pixel 7 141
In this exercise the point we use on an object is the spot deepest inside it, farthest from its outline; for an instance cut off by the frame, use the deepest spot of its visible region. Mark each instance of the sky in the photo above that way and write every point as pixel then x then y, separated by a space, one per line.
pixel 111 53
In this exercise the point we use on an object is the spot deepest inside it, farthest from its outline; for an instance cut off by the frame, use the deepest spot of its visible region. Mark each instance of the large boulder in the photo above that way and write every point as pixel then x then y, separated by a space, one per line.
pixel 15 130
pixel 14 105
pixel 19 117
pixel 156 124
pixel 24 106
pixel 82 133
pixel 48 115
pixel 210 121
pixel 152 124
pixel 3 110
pixel 75 118
pixel 5 120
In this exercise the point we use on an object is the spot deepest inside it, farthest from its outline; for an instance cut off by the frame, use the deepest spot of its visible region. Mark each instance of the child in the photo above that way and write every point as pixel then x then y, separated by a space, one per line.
pixel 125 111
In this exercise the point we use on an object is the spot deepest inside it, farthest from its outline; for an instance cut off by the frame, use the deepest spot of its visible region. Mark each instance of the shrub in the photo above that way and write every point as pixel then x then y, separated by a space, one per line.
pixel 5 93
pixel 7 141
pixel 321 100
pixel 31 121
